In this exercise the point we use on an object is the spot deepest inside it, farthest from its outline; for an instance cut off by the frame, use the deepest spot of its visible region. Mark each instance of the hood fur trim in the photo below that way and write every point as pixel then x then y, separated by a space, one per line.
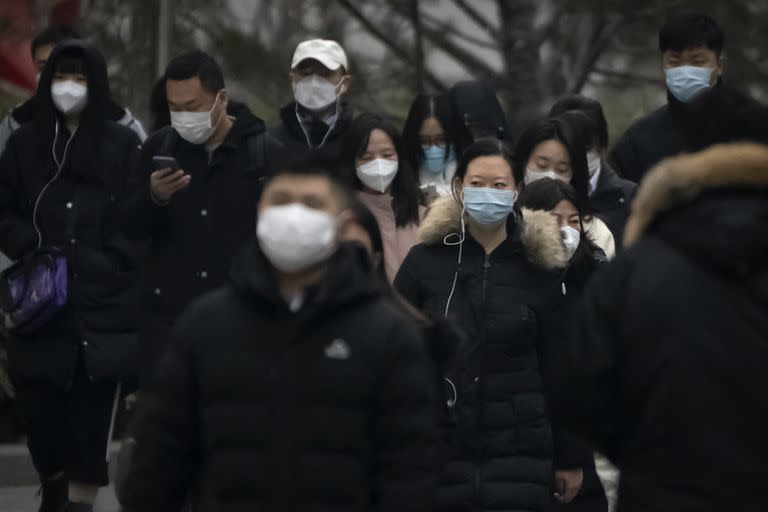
pixel 540 235
pixel 682 179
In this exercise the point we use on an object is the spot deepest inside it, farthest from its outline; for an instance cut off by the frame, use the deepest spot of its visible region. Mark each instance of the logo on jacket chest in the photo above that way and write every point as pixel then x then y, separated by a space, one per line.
pixel 338 349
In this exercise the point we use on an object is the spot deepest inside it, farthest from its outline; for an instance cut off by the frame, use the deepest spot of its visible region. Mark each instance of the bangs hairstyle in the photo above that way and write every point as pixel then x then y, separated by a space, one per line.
pixel 482 148
pixel 200 65
pixel 545 194
pixel 592 109
pixel 405 187
pixel 554 129
pixel 422 108
pixel 71 64
pixel 689 29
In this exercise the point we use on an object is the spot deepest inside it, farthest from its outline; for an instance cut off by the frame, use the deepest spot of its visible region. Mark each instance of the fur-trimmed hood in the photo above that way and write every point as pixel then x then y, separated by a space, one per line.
pixel 540 234
pixel 681 180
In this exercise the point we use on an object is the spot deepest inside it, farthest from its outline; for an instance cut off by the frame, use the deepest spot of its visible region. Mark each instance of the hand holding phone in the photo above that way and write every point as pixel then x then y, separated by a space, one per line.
pixel 167 179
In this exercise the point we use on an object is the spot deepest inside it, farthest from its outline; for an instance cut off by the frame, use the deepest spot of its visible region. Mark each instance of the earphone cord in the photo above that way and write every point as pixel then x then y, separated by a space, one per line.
pixel 60 167
pixel 330 128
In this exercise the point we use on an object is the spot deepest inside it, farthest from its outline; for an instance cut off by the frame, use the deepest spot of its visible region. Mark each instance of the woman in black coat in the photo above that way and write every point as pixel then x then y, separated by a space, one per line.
pixel 493 273
pixel 561 200
pixel 67 170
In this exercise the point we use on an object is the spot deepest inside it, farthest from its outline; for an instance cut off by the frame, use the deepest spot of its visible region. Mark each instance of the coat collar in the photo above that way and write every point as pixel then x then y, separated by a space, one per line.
pixel 538 232
pixel 678 181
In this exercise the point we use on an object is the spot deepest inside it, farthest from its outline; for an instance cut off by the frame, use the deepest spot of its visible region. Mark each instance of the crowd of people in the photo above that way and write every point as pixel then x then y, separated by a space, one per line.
pixel 337 313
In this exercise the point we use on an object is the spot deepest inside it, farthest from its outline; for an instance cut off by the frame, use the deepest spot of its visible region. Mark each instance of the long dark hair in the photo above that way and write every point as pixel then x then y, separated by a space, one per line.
pixel 545 194
pixel 592 109
pixel 423 107
pixel 405 186
pixel 560 130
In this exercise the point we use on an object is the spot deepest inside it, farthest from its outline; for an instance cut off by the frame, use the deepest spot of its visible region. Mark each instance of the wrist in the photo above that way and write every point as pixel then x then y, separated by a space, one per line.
pixel 155 200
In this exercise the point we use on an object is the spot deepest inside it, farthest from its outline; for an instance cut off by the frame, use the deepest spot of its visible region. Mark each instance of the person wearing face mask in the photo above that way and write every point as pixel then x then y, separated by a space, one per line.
pixel 194 190
pixel 42 46
pixel 301 363
pixel 551 148
pixel 318 117
pixel 386 184
pixel 496 272
pixel 584 258
pixel 428 146
pixel 610 196
pixel 692 47
pixel 63 181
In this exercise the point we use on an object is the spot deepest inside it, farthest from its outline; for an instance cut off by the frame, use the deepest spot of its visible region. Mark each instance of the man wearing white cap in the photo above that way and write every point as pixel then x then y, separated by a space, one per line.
pixel 318 118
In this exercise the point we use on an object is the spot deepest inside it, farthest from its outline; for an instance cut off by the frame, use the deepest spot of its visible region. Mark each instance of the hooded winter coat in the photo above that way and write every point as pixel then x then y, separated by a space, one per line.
pixel 666 371
pixel 78 213
pixel 498 455
pixel 193 238
pixel 255 407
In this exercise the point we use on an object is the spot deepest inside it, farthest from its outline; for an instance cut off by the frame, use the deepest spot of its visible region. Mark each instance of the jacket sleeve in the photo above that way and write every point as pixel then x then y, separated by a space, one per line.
pixel 406 283
pixel 17 234
pixel 584 385
pixel 405 427
pixel 140 217
pixel 165 458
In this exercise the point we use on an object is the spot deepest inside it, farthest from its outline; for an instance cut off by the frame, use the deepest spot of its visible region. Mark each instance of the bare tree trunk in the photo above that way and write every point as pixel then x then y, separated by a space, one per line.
pixel 418 45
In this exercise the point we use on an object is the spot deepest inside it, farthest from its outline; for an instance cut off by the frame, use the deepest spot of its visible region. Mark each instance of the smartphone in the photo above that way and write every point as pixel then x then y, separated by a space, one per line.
pixel 165 162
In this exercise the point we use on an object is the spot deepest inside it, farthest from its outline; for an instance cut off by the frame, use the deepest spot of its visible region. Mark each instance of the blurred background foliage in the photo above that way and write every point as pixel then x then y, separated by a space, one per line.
pixel 533 51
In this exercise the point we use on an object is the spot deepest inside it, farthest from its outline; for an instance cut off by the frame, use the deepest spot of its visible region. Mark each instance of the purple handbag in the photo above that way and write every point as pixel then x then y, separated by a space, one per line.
pixel 33 290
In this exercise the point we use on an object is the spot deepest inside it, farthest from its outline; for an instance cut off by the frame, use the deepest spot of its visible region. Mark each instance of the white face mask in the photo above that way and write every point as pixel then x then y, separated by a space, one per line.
pixel 593 162
pixel 378 174
pixel 571 240
pixel 531 176
pixel 69 96
pixel 294 237
pixel 195 127
pixel 315 93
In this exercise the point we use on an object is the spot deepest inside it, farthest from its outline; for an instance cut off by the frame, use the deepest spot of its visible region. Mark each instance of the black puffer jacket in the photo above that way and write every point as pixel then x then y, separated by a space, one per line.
pixel 612 200
pixel 192 240
pixel 650 140
pixel 294 139
pixel 666 371
pixel 80 213
pixel 258 408
pixel 499 454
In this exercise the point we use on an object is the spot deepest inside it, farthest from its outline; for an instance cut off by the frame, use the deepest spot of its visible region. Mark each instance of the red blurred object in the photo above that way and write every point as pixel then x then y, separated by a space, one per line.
pixel 18 26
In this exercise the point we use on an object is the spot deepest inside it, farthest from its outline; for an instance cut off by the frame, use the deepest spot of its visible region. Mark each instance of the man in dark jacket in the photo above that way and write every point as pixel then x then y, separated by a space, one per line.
pixel 63 177
pixel 692 55
pixel 197 208
pixel 319 117
pixel 610 196
pixel 665 371
pixel 297 386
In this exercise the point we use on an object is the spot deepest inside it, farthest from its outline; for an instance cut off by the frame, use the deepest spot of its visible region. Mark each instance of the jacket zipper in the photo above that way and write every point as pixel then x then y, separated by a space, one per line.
pixel 478 390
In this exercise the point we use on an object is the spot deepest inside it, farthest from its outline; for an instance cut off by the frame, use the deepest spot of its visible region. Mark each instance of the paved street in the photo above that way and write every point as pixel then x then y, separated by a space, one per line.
pixel 25 499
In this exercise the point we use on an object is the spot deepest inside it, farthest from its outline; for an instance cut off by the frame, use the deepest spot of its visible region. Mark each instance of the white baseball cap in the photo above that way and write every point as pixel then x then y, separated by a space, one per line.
pixel 329 53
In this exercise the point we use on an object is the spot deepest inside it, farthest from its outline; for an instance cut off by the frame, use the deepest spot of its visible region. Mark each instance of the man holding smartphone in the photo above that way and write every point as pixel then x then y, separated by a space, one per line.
pixel 195 194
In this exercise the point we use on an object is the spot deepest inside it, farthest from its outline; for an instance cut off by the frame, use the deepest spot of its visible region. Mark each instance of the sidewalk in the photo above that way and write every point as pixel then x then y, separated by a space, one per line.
pixel 24 499
pixel 16 468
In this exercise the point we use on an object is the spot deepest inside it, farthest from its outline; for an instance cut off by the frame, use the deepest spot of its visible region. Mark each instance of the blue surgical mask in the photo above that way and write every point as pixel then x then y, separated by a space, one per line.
pixel 435 159
pixel 686 82
pixel 489 205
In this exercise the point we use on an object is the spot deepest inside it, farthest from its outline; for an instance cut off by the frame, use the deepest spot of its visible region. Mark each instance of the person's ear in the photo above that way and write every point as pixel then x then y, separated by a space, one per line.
pixel 224 98
pixel 346 81
pixel 344 220
pixel 720 69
